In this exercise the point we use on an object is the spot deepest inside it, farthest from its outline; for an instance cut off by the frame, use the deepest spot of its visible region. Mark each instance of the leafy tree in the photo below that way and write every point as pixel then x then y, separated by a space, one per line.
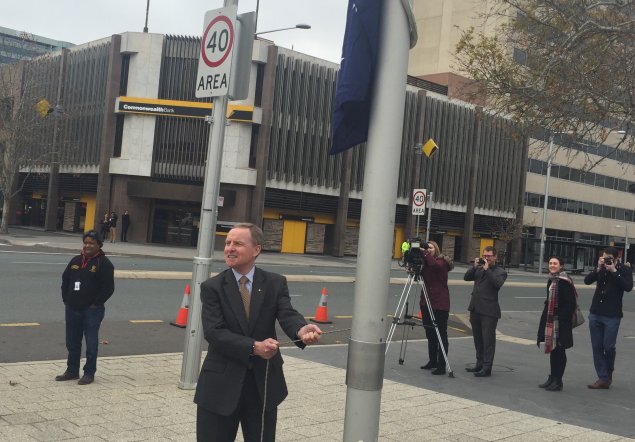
pixel 564 66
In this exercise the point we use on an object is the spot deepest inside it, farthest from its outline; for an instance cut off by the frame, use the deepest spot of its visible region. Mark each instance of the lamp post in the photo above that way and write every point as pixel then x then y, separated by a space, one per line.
pixel 543 235
pixel 298 26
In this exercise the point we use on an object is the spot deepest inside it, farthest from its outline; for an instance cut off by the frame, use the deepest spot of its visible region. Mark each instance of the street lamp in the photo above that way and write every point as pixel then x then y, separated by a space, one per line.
pixel 626 244
pixel 298 26
pixel 543 235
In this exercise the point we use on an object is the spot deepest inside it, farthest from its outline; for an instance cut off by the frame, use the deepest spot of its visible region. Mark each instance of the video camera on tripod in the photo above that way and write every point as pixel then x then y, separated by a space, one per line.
pixel 412 255
pixel 414 262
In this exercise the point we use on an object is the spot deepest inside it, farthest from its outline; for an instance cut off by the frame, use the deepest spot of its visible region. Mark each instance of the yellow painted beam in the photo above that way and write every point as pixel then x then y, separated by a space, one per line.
pixel 20 324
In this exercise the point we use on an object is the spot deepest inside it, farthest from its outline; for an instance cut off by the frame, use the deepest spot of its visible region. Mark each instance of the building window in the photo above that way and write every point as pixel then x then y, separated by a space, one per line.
pixel 260 75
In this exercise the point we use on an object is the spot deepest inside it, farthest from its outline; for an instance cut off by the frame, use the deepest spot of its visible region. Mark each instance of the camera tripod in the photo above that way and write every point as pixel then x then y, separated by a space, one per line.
pixel 408 321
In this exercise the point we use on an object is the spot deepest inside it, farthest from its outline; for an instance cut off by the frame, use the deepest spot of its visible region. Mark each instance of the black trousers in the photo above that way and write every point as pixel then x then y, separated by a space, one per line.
pixel 434 349
pixel 484 331
pixel 212 427
pixel 558 362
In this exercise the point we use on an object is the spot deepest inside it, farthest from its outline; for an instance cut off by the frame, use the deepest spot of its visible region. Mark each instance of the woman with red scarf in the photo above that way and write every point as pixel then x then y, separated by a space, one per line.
pixel 555 328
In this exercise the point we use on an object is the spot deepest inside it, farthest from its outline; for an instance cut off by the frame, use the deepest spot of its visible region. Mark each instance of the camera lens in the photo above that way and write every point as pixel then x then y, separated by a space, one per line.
pixel 481 261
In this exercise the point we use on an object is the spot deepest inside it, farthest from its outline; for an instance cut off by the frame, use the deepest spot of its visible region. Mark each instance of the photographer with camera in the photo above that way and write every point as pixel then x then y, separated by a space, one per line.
pixel 613 279
pixel 435 276
pixel 484 309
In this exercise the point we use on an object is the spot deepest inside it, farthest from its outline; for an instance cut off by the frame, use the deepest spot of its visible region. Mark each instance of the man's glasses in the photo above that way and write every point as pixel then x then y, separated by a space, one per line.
pixel 488 256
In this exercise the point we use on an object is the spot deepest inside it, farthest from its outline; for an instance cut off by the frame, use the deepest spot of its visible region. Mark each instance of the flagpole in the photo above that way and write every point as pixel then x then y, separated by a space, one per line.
pixel 364 375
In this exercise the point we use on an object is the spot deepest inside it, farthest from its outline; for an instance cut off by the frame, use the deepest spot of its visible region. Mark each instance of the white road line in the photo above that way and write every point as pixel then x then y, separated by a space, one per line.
pixel 529 297
pixel 110 255
pixel 521 311
pixel 39 262
pixel 296 296
pixel 39 253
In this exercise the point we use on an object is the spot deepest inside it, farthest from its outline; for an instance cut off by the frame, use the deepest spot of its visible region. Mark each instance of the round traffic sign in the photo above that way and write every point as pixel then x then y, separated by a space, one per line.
pixel 217 41
pixel 419 199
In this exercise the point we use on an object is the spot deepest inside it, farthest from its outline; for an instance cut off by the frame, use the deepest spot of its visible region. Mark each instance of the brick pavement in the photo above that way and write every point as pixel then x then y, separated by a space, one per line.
pixel 136 398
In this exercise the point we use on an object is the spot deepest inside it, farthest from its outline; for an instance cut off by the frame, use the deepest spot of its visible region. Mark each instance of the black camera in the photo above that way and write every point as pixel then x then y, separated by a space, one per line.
pixel 608 261
pixel 480 261
pixel 413 258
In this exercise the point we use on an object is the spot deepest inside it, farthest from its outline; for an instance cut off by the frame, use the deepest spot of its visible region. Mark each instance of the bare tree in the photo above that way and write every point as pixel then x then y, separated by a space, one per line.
pixel 564 66
pixel 21 129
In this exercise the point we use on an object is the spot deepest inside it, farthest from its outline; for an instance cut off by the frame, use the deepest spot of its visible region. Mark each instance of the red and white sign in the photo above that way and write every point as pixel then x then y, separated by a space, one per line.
pixel 419 198
pixel 217 45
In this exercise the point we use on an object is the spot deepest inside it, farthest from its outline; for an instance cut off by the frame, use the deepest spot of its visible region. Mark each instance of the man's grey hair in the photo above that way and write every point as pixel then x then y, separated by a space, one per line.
pixel 257 235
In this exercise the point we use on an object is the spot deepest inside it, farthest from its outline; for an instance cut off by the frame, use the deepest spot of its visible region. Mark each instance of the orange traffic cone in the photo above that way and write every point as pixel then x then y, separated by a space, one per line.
pixel 420 315
pixel 181 317
pixel 321 313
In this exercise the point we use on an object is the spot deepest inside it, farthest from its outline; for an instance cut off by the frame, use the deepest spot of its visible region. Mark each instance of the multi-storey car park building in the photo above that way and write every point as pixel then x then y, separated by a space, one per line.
pixel 586 211
pixel 133 137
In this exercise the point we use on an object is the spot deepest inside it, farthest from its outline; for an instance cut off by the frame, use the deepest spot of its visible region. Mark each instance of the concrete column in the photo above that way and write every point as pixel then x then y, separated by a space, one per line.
pixel 468 230
pixel 514 259
pixel 262 149
pixel 50 219
pixel 108 130
pixel 342 205
pixel 411 220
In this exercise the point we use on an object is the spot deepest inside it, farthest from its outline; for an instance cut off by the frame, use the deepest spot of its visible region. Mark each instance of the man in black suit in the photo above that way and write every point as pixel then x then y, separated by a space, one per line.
pixel 243 363
pixel 484 308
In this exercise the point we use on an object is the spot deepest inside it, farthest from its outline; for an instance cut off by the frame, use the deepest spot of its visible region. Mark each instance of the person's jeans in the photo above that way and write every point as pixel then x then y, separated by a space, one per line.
pixel 80 323
pixel 603 338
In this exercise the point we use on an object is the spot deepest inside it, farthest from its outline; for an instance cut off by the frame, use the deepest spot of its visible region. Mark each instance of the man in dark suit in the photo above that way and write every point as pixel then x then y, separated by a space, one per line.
pixel 243 367
pixel 484 309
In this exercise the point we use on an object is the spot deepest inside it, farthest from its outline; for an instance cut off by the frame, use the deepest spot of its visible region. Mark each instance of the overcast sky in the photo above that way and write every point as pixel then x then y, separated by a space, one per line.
pixel 80 21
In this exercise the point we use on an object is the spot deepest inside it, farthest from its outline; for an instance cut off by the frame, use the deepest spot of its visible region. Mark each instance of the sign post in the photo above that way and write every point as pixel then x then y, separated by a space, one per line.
pixel 212 81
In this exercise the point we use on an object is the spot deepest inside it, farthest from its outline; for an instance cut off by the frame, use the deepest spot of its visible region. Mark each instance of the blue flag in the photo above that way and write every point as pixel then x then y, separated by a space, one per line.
pixel 351 109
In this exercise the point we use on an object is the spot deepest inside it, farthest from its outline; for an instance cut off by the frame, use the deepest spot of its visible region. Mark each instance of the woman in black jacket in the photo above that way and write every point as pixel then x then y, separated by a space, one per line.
pixel 555 328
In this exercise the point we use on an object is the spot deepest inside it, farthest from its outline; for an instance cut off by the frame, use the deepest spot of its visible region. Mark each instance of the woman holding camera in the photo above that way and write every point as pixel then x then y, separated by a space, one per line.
pixel 555 328
pixel 435 276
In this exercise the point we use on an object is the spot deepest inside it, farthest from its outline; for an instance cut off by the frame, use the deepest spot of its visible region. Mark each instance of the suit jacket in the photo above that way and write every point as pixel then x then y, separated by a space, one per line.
pixel 231 338
pixel 487 283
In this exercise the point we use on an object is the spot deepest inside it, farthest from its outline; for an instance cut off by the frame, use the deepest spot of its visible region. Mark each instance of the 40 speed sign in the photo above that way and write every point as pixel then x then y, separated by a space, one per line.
pixel 217 45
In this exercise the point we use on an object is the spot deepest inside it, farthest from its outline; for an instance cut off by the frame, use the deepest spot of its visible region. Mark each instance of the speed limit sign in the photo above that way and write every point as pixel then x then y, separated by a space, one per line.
pixel 216 51
pixel 419 198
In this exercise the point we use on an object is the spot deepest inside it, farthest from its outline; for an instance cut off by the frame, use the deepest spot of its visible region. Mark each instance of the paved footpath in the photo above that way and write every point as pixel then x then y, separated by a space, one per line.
pixel 136 398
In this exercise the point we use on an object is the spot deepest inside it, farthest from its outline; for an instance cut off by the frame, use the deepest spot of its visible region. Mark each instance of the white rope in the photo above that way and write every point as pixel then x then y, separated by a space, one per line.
pixel 264 404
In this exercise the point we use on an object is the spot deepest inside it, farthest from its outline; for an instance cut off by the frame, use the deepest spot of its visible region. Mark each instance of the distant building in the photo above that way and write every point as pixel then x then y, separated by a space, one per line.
pixel 20 45
pixel 587 211
pixel 133 138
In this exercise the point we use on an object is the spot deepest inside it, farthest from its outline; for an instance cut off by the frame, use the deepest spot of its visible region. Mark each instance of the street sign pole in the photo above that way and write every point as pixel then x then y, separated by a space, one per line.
pixel 202 264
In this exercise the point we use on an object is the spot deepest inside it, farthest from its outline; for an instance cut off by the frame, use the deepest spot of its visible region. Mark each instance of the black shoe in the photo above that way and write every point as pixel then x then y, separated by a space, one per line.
pixel 439 371
pixel 429 366
pixel 483 373
pixel 556 385
pixel 474 369
pixel 67 376
pixel 86 379
pixel 547 383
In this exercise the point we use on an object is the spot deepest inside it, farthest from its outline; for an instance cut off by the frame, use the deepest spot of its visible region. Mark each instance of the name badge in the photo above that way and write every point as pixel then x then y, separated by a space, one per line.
pixel 77 284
